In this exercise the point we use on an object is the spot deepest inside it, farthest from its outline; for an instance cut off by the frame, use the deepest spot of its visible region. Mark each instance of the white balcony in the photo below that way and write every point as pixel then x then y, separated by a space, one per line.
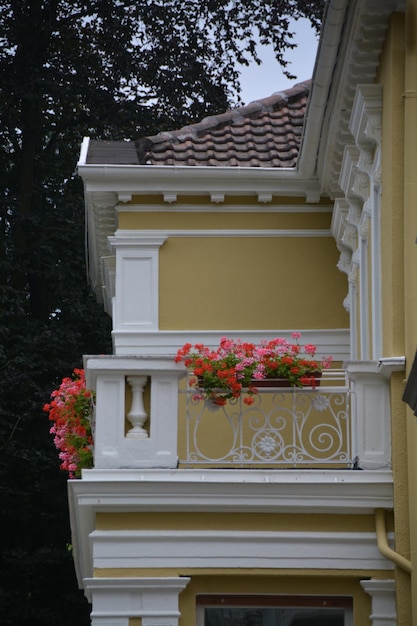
pixel 147 417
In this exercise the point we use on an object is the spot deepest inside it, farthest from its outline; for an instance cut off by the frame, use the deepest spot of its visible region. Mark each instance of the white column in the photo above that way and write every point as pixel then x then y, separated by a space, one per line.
pixel 382 593
pixel 116 600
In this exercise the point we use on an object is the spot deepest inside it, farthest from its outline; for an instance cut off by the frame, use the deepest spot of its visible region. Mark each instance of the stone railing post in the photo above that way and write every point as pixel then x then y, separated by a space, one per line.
pixel 126 437
pixel 371 411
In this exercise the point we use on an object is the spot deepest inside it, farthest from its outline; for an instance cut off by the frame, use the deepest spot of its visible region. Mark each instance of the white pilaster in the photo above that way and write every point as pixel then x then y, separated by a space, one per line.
pixel 382 593
pixel 136 301
pixel 116 600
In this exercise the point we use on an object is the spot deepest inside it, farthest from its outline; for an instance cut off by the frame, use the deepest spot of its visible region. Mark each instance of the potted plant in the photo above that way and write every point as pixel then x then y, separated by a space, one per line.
pixel 71 410
pixel 237 367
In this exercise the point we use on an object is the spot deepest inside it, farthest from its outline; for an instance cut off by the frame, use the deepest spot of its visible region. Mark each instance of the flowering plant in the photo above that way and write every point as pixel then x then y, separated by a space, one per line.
pixel 70 409
pixel 236 366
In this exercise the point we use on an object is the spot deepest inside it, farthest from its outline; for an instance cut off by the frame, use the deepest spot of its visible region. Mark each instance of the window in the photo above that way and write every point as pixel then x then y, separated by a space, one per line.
pixel 269 610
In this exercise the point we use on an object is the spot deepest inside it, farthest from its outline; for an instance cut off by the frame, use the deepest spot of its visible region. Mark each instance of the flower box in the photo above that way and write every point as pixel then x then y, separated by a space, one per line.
pixel 237 367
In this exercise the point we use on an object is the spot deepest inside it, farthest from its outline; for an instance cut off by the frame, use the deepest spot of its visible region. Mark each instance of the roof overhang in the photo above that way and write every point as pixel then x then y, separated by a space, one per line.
pixel 128 180
pixel 349 50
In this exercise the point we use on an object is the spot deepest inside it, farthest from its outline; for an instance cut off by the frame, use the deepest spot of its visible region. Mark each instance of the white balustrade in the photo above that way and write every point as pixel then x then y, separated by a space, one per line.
pixel 344 423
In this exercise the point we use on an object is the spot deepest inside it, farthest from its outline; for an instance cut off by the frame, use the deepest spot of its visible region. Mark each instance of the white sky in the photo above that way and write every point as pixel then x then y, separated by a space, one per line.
pixel 261 81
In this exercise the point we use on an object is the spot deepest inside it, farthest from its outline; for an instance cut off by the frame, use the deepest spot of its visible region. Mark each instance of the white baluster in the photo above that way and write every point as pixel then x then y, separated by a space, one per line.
pixel 137 415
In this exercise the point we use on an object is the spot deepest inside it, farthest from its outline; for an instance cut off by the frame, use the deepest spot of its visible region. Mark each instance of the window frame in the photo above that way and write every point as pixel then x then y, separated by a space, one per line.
pixel 204 601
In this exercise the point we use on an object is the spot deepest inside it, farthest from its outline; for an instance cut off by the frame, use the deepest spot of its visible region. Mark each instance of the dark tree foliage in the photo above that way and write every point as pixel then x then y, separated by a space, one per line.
pixel 106 69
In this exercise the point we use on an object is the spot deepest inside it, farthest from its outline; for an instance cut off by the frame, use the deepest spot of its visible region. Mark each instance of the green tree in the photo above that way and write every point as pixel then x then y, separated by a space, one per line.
pixel 107 69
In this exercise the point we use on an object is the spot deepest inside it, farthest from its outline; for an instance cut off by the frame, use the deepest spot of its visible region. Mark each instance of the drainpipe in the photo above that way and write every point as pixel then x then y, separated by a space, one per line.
pixel 383 547
pixel 410 261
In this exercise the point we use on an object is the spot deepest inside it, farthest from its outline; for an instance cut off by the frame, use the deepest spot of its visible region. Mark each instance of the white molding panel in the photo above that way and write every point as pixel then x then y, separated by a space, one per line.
pixel 236 549
pixel 334 342
pixel 136 280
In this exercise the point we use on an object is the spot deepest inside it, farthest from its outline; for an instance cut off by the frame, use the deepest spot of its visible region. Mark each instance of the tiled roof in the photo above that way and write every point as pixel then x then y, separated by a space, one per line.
pixel 265 133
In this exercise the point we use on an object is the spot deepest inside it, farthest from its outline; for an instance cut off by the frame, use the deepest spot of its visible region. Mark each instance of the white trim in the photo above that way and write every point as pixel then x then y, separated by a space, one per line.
pixel 224 208
pixel 227 549
pixel 334 342
pixel 377 332
pixel 382 592
pixel 363 300
pixel 223 232
pixel 323 76
pixel 260 491
pixel 84 151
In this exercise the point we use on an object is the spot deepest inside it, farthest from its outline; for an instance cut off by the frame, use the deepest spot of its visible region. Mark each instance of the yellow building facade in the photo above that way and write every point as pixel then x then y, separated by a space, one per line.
pixel 299 509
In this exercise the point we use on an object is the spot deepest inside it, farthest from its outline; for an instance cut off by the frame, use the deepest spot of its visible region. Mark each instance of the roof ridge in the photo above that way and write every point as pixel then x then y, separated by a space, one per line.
pixel 264 105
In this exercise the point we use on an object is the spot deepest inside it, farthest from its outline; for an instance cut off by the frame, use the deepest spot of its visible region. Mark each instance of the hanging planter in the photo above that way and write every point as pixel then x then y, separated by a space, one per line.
pixel 237 367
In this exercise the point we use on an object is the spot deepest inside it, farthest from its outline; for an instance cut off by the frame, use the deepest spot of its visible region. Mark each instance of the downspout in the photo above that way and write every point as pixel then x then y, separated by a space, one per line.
pixel 382 542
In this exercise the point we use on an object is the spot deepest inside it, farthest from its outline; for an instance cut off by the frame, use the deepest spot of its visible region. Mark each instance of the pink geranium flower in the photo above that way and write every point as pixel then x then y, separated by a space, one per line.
pixel 235 366
pixel 70 411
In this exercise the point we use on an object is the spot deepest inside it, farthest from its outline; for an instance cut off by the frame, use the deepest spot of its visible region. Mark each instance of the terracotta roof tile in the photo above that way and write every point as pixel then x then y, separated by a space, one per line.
pixel 265 133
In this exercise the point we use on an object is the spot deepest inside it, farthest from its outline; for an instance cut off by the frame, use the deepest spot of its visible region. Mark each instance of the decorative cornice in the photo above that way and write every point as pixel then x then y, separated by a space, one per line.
pixel 198 180
pixel 359 170
pixel 358 56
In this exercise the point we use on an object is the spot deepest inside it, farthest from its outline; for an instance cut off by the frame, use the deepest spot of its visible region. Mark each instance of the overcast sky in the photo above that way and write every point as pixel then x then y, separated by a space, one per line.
pixel 261 81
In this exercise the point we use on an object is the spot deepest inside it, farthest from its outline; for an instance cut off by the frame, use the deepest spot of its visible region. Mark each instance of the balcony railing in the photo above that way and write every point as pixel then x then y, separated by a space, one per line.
pixel 147 417
pixel 285 427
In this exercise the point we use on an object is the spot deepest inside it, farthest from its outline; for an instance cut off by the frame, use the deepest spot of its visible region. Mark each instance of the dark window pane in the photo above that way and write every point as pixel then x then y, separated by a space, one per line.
pixel 245 616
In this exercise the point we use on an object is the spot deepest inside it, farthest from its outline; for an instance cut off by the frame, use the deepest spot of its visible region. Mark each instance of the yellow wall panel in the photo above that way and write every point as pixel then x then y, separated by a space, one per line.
pixel 171 220
pixel 237 521
pixel 250 283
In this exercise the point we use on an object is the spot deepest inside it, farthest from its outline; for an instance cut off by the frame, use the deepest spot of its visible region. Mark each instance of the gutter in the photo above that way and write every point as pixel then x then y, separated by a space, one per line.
pixel 126 180
pixel 384 548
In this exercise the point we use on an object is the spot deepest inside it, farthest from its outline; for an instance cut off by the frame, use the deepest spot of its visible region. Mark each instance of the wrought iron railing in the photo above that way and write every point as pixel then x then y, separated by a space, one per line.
pixel 285 427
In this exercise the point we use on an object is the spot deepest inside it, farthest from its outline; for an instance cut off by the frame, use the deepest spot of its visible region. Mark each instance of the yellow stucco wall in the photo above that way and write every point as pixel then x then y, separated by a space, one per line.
pixel 250 581
pixel 391 76
pixel 258 283
pixel 287 279
pixel 234 521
